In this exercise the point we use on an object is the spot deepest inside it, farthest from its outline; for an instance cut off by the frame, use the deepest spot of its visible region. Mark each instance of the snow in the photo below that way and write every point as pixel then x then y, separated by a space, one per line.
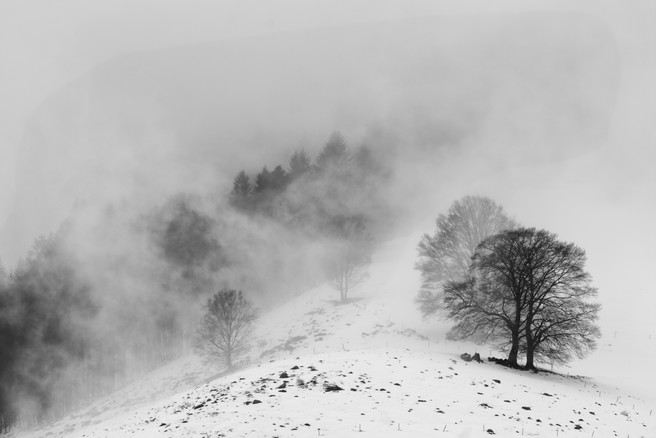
pixel 394 380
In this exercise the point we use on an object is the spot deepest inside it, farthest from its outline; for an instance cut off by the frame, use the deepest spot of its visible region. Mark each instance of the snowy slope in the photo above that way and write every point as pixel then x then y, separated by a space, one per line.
pixel 392 380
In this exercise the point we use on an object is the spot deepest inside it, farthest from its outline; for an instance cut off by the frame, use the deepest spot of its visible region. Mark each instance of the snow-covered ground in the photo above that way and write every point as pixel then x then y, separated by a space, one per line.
pixel 373 367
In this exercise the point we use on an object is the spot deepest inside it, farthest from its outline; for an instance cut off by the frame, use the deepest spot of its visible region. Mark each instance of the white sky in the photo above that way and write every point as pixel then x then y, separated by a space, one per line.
pixel 45 45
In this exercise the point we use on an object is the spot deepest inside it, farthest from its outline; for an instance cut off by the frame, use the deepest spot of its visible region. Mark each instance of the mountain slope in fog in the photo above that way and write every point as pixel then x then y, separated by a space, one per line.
pixel 145 125
pixel 323 369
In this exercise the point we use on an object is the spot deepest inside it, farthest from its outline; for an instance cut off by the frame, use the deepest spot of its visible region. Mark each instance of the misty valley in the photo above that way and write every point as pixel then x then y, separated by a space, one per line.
pixel 390 228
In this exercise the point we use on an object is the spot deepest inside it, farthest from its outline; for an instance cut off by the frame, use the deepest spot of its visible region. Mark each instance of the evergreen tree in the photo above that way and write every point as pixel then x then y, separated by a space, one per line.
pixel 335 153
pixel 241 191
pixel 263 180
pixel 278 179
pixel 241 186
pixel 299 164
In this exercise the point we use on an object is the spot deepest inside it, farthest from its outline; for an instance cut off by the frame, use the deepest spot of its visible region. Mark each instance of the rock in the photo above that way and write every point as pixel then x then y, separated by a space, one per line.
pixel 477 357
pixel 526 408
pixel 496 380
pixel 295 367
pixel 200 405
pixel 490 431
pixel 466 357
pixel 284 375
pixel 256 402
pixel 331 387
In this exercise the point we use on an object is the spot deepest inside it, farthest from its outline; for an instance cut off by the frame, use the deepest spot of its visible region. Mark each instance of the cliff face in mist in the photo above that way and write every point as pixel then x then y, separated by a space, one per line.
pixel 145 125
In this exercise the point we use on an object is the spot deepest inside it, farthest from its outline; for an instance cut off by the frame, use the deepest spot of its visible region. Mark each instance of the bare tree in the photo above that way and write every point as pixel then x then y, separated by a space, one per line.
pixel 445 256
pixel 560 319
pixel 350 254
pixel 225 328
pixel 528 293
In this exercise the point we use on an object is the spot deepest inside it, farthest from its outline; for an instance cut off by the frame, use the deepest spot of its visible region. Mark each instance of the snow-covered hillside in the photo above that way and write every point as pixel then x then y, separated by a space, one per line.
pixel 370 367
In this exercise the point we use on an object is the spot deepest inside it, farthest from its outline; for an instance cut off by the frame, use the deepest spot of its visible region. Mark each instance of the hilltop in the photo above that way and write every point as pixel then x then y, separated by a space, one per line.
pixel 320 368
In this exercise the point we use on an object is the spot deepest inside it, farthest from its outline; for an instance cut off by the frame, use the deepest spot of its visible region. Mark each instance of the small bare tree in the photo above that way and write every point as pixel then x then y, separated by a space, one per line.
pixel 351 255
pixel 225 328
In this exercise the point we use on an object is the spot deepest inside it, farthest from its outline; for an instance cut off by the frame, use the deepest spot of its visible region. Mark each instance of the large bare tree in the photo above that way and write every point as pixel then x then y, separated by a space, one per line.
pixel 224 331
pixel 529 293
pixel 446 254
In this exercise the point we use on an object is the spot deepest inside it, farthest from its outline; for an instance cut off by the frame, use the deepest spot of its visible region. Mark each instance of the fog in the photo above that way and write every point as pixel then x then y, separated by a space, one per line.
pixel 110 112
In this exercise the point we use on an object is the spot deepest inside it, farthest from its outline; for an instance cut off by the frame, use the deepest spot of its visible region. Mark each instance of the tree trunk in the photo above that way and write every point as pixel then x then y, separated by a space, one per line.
pixel 529 358
pixel 530 349
pixel 228 359
pixel 530 342
pixel 514 351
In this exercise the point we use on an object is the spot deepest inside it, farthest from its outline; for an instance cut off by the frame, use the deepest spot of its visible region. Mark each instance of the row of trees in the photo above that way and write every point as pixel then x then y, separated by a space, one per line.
pixel 307 195
pixel 115 293
pixel 519 289
pixel 43 304
pixel 337 200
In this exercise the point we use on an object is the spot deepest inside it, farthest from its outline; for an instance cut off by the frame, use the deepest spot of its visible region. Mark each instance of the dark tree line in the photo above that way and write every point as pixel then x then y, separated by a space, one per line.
pixel 338 199
pixel 305 194
pixel 43 305
pixel 67 338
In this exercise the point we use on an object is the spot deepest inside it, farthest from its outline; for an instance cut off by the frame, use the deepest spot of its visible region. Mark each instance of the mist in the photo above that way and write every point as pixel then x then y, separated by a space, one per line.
pixel 542 111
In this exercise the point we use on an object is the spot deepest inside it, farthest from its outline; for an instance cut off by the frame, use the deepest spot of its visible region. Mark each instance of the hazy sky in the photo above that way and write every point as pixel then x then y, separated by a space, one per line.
pixel 45 45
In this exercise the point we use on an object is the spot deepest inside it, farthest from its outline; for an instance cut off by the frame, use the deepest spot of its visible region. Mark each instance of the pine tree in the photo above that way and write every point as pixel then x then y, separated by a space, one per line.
pixel 263 180
pixel 278 179
pixel 241 190
pixel 299 164
pixel 335 153
pixel 241 187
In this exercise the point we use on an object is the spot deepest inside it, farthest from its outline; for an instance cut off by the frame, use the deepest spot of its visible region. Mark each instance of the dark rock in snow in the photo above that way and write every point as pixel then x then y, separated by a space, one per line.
pixel 284 375
pixel 330 387
pixel 496 381
pixel 526 408
pixel 477 357
pixel 490 431
pixel 466 357
pixel 256 402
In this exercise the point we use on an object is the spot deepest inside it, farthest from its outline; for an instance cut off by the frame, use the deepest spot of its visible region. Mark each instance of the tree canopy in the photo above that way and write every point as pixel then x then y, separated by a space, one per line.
pixel 225 328
pixel 526 292
pixel 446 254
